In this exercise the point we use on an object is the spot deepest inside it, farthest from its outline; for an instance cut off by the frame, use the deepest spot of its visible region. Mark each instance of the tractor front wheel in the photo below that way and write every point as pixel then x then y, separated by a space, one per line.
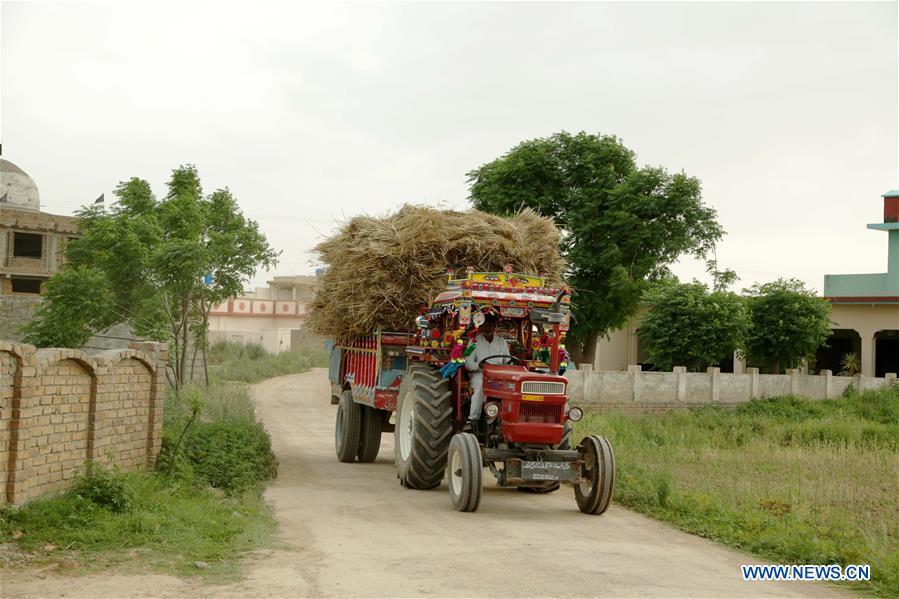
pixel 346 430
pixel 594 495
pixel 464 470
pixel 424 423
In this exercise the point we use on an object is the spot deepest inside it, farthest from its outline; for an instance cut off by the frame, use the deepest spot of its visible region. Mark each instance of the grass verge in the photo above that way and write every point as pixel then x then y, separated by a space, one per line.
pixel 249 363
pixel 170 524
pixel 792 480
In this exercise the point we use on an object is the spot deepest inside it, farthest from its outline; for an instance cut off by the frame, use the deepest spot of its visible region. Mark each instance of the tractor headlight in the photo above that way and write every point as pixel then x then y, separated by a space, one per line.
pixel 492 410
pixel 575 414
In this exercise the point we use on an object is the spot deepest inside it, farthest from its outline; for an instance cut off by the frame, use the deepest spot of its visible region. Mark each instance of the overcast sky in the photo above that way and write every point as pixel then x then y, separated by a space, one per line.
pixel 312 113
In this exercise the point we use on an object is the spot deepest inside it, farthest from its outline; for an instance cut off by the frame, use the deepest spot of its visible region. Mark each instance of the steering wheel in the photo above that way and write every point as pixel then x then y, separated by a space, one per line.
pixel 481 363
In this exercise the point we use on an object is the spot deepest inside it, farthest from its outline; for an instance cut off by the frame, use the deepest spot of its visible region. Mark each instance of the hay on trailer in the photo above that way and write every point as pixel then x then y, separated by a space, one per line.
pixel 380 270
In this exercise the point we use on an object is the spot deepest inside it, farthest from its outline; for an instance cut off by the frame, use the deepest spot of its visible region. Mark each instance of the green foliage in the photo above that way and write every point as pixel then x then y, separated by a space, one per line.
pixel 686 325
pixel 850 364
pixel 222 445
pixel 792 480
pixel 147 259
pixel 171 523
pixel 788 323
pixel 232 456
pixel 74 304
pixel 622 224
pixel 104 488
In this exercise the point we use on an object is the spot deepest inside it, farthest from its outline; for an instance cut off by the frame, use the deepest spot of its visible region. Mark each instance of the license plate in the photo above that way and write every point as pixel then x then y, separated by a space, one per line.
pixel 546 471
pixel 532 398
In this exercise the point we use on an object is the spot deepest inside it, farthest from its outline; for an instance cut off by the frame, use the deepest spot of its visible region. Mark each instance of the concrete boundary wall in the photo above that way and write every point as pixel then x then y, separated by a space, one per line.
pixel 61 409
pixel 635 390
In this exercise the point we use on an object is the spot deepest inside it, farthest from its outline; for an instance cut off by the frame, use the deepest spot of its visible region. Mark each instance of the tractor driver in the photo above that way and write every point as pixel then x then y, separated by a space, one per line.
pixel 486 344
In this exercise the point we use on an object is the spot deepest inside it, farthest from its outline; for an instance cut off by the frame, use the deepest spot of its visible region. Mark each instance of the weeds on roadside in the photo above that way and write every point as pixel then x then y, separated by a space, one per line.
pixel 171 522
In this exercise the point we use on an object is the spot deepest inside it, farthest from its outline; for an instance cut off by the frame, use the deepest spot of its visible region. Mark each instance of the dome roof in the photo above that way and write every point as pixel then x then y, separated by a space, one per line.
pixel 17 189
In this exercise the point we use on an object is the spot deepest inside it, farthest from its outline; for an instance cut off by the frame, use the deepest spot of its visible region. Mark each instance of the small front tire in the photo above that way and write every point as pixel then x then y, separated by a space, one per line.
pixel 464 472
pixel 594 495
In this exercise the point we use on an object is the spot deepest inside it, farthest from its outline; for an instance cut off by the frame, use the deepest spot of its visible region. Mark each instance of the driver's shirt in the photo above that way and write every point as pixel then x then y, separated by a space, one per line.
pixel 485 348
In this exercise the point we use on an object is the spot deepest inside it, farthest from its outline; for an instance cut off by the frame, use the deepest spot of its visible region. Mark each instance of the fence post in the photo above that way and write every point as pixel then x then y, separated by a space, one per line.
pixel 586 371
pixel 828 383
pixel 794 381
pixel 754 373
pixel 680 372
pixel 634 371
pixel 714 380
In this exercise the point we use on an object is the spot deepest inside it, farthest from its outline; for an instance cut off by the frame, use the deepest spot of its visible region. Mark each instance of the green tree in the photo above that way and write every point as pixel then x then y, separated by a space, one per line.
pixel 159 265
pixel 788 323
pixel 686 325
pixel 622 225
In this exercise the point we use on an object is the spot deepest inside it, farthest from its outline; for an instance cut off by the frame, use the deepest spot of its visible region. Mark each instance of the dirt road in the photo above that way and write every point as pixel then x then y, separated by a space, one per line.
pixel 353 531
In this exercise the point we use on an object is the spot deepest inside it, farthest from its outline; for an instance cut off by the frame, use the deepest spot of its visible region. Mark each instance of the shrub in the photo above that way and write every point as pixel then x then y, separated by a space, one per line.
pixel 232 456
pixel 104 488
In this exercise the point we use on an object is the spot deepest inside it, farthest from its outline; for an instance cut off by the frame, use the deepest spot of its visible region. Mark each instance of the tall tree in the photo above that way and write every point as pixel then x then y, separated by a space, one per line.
pixel 622 224
pixel 159 265
pixel 788 323
pixel 686 325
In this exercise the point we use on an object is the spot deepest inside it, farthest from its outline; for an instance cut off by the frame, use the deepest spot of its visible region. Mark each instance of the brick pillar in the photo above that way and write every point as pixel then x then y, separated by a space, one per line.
pixel 159 352
pixel 24 407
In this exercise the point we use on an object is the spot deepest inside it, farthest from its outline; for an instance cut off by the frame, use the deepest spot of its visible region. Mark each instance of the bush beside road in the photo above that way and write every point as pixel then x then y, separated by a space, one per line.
pixel 792 480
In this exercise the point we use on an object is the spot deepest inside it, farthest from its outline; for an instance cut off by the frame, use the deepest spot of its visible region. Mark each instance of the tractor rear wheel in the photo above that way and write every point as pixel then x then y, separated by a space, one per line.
pixel 346 431
pixel 424 423
pixel 594 495
pixel 370 434
pixel 464 472
pixel 549 487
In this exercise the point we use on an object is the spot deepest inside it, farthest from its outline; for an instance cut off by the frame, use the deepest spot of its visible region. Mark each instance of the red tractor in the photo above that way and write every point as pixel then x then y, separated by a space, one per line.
pixel 524 432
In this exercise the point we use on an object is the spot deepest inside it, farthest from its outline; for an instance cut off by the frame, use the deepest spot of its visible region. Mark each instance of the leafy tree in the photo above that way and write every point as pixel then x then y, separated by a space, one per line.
pixel 74 299
pixel 721 279
pixel 622 225
pixel 686 325
pixel 788 323
pixel 159 265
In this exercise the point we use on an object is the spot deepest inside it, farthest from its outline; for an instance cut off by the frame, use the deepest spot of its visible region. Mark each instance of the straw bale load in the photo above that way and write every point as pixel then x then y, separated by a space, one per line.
pixel 380 270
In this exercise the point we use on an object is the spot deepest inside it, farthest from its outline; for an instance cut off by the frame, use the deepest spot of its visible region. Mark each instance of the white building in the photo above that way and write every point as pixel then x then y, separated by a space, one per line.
pixel 266 316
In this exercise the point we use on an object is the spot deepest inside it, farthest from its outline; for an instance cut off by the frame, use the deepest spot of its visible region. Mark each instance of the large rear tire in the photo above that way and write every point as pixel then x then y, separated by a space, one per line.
pixel 424 423
pixel 549 487
pixel 370 434
pixel 595 494
pixel 464 472
pixel 346 430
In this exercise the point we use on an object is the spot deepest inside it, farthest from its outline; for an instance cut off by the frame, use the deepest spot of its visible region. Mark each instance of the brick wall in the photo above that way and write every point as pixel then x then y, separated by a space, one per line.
pixel 61 409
